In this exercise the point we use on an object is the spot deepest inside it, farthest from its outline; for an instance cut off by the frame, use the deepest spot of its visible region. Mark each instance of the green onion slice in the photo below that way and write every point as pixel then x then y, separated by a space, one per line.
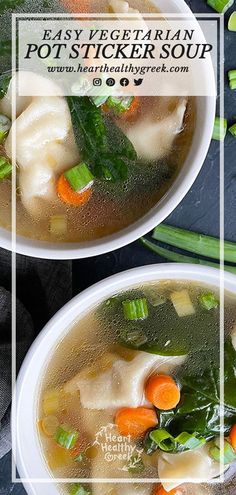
pixel 185 441
pixel 66 437
pixel 232 78
pixel 220 128
pixel 79 177
pixel 5 167
pixel 5 125
pixel 120 104
pixel 232 129
pixel 232 22
pixel 220 6
pixel 229 455
pixel 135 309
pixel 78 489
pixel 208 301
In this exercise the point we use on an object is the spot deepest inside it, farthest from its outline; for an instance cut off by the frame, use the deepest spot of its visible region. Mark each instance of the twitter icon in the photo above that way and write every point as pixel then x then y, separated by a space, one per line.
pixel 138 82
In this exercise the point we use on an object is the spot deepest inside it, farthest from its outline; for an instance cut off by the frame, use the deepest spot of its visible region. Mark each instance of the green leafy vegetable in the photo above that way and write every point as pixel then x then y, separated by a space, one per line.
pixel 199 409
pixel 208 301
pixel 93 134
pixel 78 489
pixel 5 167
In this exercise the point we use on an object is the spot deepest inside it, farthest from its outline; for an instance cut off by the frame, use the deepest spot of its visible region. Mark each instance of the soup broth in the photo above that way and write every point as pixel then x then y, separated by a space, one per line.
pixel 43 212
pixel 99 374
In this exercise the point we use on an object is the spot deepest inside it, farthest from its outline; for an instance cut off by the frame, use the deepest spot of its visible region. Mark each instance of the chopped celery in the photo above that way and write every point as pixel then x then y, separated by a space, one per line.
pixel 182 303
pixel 155 298
pixel 220 6
pixel 232 129
pixel 220 129
pixel 5 125
pixel 232 78
pixel 78 489
pixel 79 177
pixel 208 301
pixel 232 22
pixel 51 402
pixel 134 337
pixel 58 224
pixel 66 437
pixel 136 309
pixel 5 167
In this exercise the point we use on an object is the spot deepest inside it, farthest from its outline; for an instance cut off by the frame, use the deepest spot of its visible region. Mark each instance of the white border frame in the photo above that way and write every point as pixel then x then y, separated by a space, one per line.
pixel 15 479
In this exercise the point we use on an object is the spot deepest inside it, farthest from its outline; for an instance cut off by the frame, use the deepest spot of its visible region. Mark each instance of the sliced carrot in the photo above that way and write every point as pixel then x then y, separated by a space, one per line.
pixel 232 437
pixel 161 491
pixel 70 197
pixel 162 392
pixel 135 421
pixel 49 425
pixel 132 110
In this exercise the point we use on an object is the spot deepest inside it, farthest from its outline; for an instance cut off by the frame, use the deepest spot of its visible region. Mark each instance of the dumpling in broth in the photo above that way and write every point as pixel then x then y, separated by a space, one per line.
pixel 45 146
pixel 196 464
pixel 152 137
pixel 122 384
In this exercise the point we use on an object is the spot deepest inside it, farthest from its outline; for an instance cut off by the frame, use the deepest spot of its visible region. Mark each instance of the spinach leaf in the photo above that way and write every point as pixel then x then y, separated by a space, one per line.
pixel 199 409
pixel 95 137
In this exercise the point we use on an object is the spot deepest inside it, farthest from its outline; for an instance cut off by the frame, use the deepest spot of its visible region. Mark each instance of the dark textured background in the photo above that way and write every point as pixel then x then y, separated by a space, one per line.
pixel 199 210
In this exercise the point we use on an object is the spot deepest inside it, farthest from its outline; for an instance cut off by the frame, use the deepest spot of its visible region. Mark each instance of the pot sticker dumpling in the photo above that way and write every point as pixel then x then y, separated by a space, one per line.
pixel 122 384
pixel 45 147
pixel 153 139
pixel 196 464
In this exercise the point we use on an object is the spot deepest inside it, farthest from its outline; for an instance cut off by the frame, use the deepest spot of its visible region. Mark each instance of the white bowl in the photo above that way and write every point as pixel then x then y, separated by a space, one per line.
pixel 28 453
pixel 180 187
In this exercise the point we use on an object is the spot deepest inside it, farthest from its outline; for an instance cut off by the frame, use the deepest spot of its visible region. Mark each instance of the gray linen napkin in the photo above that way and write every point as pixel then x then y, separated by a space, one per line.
pixel 43 287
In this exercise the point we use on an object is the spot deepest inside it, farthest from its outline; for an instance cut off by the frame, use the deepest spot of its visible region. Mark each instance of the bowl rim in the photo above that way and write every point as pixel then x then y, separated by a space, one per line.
pixel 28 454
pixel 159 212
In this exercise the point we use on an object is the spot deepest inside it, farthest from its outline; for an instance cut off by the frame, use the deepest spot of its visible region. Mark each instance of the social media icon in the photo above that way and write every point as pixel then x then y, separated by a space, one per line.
pixel 110 81
pixel 138 82
pixel 124 81
pixel 97 81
